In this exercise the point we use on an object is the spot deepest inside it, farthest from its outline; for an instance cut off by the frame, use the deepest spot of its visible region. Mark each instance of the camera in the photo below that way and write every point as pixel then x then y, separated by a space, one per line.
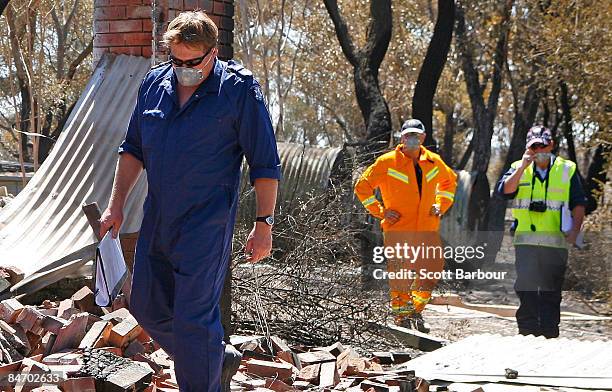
pixel 537 206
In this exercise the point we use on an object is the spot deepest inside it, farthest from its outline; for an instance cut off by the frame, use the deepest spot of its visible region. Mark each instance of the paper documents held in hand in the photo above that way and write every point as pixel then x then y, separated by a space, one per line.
pixel 111 271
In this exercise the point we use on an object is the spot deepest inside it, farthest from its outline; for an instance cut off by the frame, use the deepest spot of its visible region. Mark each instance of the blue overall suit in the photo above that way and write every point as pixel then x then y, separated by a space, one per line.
pixel 192 156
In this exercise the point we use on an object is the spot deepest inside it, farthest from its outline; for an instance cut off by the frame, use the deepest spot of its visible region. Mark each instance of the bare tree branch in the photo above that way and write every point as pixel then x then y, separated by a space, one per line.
pixel 77 61
pixel 346 43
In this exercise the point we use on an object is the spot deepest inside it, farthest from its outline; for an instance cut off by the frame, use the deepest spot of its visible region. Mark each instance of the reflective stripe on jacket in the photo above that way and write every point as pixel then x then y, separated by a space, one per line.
pixel 394 174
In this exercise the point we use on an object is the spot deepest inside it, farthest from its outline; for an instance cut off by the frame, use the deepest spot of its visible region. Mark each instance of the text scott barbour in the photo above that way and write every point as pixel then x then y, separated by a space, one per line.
pixel 423 273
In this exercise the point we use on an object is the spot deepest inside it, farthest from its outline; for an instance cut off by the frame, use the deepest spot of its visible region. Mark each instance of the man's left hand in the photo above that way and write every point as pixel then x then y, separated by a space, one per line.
pixel 571 237
pixel 435 210
pixel 259 242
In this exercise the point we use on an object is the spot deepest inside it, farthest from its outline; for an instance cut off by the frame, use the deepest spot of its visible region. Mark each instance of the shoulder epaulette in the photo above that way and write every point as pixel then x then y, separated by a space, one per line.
pixel 239 69
pixel 161 64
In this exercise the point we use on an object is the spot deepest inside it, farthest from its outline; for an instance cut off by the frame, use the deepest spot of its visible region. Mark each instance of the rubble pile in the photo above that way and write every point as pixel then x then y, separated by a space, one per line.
pixel 331 368
pixel 74 345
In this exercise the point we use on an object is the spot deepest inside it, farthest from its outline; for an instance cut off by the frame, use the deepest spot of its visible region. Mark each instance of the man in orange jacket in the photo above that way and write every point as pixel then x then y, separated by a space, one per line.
pixel 417 188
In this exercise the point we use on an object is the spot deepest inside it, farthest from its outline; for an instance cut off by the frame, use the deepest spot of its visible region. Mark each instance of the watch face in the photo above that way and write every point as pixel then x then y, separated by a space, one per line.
pixel 270 220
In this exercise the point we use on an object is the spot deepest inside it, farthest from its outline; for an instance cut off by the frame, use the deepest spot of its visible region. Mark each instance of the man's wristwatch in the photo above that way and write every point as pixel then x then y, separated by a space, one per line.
pixel 269 220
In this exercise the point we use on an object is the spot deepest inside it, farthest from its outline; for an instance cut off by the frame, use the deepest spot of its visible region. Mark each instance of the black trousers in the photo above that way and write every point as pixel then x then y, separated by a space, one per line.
pixel 540 272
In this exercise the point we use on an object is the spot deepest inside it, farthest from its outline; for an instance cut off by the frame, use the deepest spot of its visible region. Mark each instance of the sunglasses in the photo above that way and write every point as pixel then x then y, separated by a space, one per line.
pixel 191 62
pixel 536 146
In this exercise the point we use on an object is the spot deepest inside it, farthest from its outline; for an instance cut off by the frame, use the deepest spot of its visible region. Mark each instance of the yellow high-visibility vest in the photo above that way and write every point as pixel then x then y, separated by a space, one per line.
pixel 542 228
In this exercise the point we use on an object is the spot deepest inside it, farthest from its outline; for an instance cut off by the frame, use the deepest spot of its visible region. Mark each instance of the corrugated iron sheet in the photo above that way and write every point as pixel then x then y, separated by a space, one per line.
pixel 454 226
pixel 539 361
pixel 305 170
pixel 43 230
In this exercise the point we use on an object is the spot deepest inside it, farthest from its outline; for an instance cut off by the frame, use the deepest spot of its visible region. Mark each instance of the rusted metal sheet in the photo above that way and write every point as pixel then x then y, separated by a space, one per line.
pixel 43 230
pixel 539 361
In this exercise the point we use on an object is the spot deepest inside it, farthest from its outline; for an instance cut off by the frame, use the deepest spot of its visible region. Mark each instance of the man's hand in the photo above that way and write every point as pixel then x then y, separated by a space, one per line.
pixel 391 216
pixel 259 242
pixel 528 157
pixel 435 210
pixel 571 237
pixel 111 217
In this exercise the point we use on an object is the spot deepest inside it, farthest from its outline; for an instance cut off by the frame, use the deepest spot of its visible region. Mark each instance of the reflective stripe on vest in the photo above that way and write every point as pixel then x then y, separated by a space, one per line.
pixel 547 224
pixel 555 240
pixel 448 195
pixel 432 173
pixel 397 175
pixel 369 201
pixel 523 204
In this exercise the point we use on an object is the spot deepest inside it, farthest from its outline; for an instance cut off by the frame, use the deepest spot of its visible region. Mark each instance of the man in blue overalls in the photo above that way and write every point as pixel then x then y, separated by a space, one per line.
pixel 195 119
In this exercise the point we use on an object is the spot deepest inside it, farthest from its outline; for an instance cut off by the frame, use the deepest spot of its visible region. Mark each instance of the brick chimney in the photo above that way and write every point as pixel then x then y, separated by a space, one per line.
pixel 135 27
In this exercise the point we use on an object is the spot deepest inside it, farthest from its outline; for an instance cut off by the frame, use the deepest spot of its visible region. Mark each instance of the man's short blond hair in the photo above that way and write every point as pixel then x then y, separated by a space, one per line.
pixel 192 28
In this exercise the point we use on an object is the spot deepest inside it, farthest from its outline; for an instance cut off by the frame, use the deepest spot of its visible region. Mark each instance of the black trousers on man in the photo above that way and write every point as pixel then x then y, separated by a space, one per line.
pixel 540 272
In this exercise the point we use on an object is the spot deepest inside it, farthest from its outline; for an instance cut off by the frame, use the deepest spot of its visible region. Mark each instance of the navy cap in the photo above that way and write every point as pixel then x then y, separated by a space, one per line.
pixel 539 134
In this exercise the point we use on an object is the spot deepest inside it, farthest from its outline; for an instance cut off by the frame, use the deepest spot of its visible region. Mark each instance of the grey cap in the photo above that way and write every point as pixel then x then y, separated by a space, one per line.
pixel 412 126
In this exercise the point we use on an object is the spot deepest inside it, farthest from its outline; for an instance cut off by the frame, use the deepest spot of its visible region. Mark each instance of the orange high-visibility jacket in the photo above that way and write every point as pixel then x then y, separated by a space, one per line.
pixel 393 173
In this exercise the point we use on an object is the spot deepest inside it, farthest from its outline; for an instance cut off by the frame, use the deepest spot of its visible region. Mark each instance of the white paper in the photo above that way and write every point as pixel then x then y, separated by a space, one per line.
pixel 566 218
pixel 111 270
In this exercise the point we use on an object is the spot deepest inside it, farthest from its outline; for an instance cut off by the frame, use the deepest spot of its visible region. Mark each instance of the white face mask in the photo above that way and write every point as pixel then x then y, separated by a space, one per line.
pixel 412 142
pixel 543 157
pixel 190 77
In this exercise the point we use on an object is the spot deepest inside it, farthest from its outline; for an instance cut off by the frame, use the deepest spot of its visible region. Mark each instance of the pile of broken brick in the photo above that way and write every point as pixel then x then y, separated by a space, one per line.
pixel 74 345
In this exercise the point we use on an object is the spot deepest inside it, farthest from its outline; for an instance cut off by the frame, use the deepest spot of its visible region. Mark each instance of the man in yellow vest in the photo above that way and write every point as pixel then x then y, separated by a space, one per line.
pixel 548 208
pixel 417 188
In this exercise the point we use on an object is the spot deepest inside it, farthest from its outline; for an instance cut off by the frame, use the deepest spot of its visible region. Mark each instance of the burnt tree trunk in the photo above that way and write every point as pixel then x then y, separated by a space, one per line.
pixel 524 116
pixel 596 176
pixel 567 122
pixel 3 4
pixel 366 63
pixel 449 134
pixel 483 113
pixel 431 69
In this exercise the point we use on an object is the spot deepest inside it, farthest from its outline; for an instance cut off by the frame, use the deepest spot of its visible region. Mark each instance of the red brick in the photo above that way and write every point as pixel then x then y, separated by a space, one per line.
pixel 282 371
pixel 100 26
pixel 121 2
pixel 219 8
pixel 47 388
pixel 10 309
pixel 84 300
pixel 227 23
pixel 190 5
pixel 100 329
pixel 123 333
pixel 109 40
pixel 109 13
pixel 146 52
pixel 124 26
pixel 129 50
pixel 216 20
pixel 138 39
pixel 12 273
pixel 147 26
pixel 175 4
pixel 82 384
pixel 138 12
pixel 70 335
pixel 206 5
